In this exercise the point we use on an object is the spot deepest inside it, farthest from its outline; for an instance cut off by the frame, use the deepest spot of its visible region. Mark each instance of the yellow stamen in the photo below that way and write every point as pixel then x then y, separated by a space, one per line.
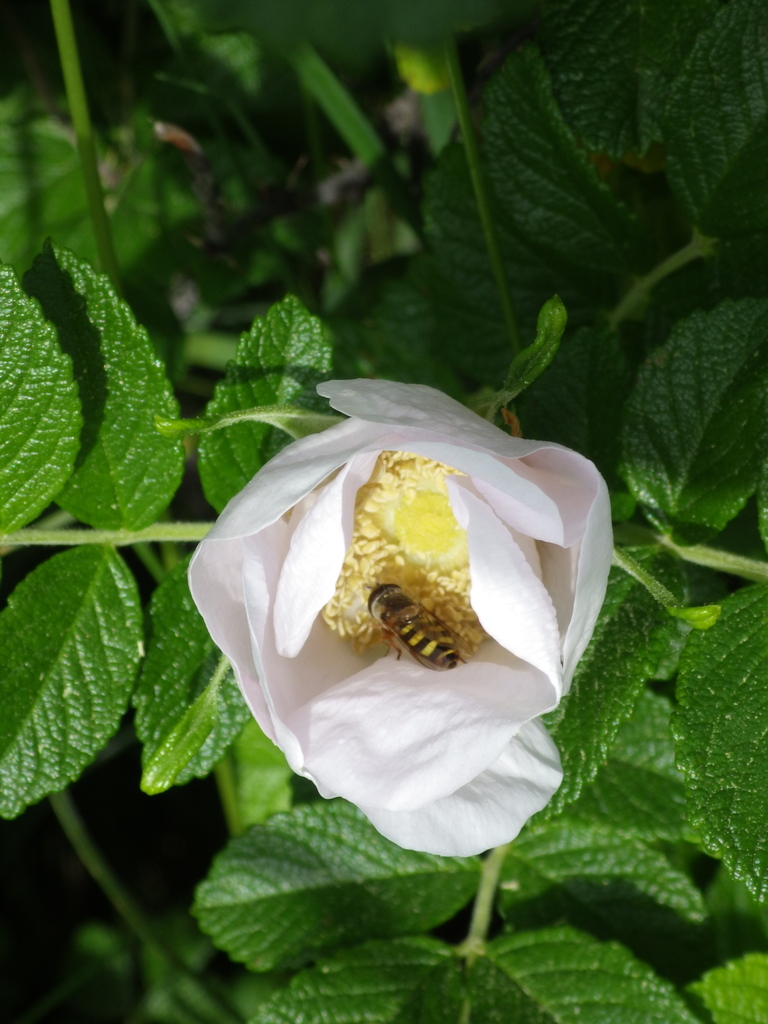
pixel 405 532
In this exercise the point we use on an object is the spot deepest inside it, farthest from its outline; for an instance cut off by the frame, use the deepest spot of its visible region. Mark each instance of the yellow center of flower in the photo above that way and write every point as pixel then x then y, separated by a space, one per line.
pixel 405 532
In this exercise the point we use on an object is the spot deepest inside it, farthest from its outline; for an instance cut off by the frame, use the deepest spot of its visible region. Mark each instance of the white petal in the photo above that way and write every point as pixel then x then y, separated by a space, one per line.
pixel 594 563
pixel 398 734
pixel 489 810
pixel 507 596
pixel 313 563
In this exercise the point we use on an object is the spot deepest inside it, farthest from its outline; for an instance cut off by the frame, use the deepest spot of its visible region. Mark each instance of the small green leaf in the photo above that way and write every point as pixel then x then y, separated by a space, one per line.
pixel 126 473
pixel 279 361
pixel 70 642
pixel 715 124
pixel 639 789
pixel 318 877
pixel 534 359
pixel 695 423
pixel 263 777
pixel 609 883
pixel 613 62
pixel 631 636
pixel 721 727
pixel 39 409
pixel 563 975
pixel 180 664
pixel 738 992
pixel 372 983
pixel 701 617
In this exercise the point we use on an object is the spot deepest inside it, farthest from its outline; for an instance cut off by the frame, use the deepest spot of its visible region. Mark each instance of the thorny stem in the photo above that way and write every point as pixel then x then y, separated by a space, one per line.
pixel 637 296
pixel 81 120
pixel 482 195
pixel 652 585
pixel 75 830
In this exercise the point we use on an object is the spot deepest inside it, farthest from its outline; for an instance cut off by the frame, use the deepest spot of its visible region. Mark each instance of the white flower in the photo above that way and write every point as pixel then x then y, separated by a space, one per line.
pixel 507 540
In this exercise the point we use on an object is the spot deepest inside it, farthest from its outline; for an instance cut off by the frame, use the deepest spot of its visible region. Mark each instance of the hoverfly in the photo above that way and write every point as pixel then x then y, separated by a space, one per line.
pixel 408 626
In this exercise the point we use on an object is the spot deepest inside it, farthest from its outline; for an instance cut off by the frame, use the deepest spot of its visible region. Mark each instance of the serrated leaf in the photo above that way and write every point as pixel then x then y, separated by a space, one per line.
pixel 262 776
pixel 70 642
pixel 612 64
pixel 639 789
pixel 562 976
pixel 279 361
pixel 126 473
pixel 715 124
pixel 561 229
pixel 721 727
pixel 318 877
pixel 39 409
pixel 695 422
pixel 181 659
pixel 631 636
pixel 579 400
pixel 738 992
pixel 369 984
pixel 609 883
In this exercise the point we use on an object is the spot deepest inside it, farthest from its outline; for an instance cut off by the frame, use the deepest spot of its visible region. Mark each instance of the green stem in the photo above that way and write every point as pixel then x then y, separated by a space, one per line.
pixel 482 193
pixel 637 297
pixel 651 584
pixel 227 786
pixel 30 536
pixel 98 868
pixel 698 554
pixel 150 561
pixel 472 947
pixel 354 127
pixel 81 120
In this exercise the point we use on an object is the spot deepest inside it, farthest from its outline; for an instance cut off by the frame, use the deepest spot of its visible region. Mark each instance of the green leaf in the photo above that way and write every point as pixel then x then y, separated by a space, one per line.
pixel 181 660
pixel 695 423
pixel 740 924
pixel 126 473
pixel 561 229
pixel 716 121
pixel 319 877
pixel 639 789
pixel 263 777
pixel 609 883
pixel 39 410
pixel 721 727
pixel 738 992
pixel 632 635
pixel 579 399
pixel 70 642
pixel 372 983
pixel 612 64
pixel 279 362
pixel 536 357
pixel 564 976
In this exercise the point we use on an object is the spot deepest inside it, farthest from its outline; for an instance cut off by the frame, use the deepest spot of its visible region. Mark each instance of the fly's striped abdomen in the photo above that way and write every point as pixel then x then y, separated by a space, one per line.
pixel 408 626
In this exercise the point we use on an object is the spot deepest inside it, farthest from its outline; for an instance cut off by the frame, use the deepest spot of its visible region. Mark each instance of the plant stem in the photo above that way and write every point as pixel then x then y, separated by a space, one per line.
pixel 81 120
pixel 98 868
pixel 657 590
pixel 473 945
pixel 698 554
pixel 150 561
pixel 637 296
pixel 482 193
pixel 354 127
pixel 30 536
pixel 226 783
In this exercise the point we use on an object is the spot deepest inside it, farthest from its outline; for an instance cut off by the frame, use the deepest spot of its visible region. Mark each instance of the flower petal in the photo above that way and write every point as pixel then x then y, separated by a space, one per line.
pixel 399 735
pixel 316 554
pixel 507 596
pixel 486 812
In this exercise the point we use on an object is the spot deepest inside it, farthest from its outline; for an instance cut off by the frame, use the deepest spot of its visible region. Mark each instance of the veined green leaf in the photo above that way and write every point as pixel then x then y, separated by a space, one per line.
pixel 126 473
pixel 70 642
pixel 181 659
pixel 279 362
pixel 738 992
pixel 322 876
pixel 262 776
pixel 695 425
pixel 39 409
pixel 721 727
